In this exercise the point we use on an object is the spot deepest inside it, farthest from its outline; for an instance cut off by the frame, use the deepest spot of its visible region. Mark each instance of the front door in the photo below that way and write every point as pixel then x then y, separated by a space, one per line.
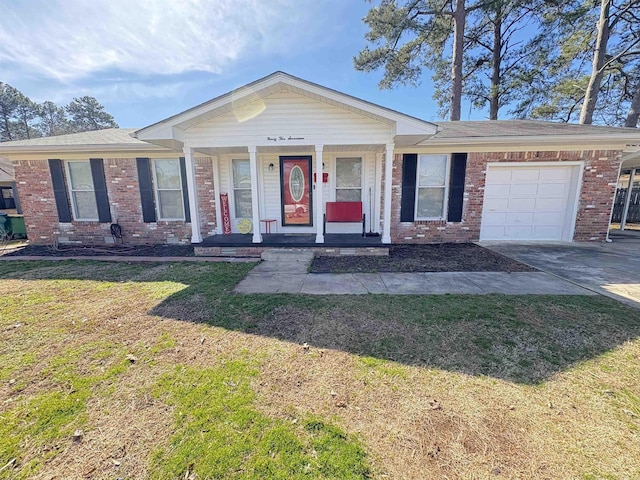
pixel 295 190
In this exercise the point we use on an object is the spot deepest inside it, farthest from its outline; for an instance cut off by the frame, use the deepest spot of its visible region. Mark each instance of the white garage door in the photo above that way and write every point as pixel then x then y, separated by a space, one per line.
pixel 528 202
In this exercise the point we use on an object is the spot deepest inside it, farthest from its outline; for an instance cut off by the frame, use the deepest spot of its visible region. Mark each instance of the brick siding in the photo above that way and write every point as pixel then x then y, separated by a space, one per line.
pixel 596 196
pixel 41 216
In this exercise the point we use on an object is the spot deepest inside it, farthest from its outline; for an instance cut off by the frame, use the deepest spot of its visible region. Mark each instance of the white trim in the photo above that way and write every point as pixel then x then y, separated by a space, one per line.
pixel 215 160
pixel 194 209
pixel 576 199
pixel 155 191
pixel 445 198
pixel 255 201
pixel 71 191
pixel 388 185
pixel 318 195
pixel 376 192
pixel 627 198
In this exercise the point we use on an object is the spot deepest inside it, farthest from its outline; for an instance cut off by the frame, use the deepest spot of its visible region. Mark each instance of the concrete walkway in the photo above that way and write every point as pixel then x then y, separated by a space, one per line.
pixel 287 272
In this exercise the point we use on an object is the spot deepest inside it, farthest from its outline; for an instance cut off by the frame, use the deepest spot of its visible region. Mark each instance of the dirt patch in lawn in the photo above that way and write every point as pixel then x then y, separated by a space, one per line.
pixel 443 257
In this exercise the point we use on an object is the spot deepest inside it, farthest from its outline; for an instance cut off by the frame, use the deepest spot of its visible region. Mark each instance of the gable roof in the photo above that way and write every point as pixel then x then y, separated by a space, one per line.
pixel 167 132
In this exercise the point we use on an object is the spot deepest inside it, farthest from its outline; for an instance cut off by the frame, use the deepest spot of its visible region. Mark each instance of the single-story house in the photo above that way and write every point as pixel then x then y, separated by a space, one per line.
pixel 267 161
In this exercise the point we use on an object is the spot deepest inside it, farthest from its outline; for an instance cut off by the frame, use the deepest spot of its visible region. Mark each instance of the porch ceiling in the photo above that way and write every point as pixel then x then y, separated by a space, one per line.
pixel 631 160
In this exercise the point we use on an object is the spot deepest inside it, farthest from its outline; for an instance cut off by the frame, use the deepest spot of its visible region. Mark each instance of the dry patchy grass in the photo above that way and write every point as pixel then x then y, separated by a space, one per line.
pixel 426 387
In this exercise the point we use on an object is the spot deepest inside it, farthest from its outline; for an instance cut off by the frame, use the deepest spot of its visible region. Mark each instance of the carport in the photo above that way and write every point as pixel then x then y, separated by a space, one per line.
pixel 626 209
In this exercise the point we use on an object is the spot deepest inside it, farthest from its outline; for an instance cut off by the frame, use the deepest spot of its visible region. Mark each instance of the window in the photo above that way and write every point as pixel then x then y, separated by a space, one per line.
pixel 348 179
pixel 242 188
pixel 431 186
pixel 83 197
pixel 6 198
pixel 167 183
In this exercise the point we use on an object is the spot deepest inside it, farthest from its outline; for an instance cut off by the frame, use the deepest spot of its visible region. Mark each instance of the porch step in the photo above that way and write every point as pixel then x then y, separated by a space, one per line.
pixel 284 255
pixel 290 263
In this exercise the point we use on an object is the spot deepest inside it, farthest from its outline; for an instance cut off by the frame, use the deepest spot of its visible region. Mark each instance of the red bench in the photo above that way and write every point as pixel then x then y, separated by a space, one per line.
pixel 348 212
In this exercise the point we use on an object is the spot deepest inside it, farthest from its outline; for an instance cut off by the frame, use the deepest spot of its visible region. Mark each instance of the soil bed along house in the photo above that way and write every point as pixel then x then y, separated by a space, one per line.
pixel 267 161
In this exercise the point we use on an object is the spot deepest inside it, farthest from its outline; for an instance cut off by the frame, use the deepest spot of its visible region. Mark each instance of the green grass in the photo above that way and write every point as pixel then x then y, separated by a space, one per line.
pixel 219 433
pixel 205 355
pixel 56 411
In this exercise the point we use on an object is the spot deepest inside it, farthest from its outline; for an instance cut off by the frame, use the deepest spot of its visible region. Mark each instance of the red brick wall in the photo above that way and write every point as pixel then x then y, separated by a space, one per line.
pixel 596 196
pixel 41 217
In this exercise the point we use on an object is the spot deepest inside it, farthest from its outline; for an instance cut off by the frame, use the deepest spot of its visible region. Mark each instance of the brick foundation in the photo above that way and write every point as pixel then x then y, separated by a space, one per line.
pixel 596 196
pixel 41 217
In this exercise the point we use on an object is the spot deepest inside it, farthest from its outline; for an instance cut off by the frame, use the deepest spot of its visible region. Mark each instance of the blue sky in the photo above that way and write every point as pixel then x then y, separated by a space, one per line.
pixel 147 60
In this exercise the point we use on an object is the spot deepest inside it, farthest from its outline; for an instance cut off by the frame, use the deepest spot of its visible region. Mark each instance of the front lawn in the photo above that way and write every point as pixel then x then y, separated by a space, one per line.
pixel 114 370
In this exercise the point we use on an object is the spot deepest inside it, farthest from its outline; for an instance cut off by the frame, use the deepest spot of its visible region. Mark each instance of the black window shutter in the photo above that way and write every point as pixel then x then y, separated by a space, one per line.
pixel 185 192
pixel 408 202
pixel 100 189
pixel 59 190
pixel 456 186
pixel 146 190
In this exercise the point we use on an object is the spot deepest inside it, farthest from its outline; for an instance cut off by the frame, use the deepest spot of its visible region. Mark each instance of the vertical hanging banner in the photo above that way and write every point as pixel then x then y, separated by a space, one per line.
pixel 295 188
pixel 226 215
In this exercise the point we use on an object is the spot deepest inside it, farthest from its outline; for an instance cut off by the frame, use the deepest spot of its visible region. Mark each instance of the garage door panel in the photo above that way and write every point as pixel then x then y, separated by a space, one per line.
pixel 496 204
pixel 555 173
pixel 523 189
pixel 499 175
pixel 496 190
pixel 525 175
pixel 528 202
pixel 547 218
pixel 549 204
pixel 495 218
pixel 553 189
pixel 519 218
pixel 494 231
pixel 518 232
pixel 521 204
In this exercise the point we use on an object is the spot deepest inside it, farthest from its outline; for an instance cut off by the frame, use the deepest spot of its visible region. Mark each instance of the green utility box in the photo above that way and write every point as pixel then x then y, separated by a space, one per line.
pixel 16 226
pixel 12 225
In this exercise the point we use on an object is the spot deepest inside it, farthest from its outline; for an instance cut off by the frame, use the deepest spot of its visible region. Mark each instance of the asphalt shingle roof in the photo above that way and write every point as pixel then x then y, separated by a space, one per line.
pixel 522 128
pixel 108 136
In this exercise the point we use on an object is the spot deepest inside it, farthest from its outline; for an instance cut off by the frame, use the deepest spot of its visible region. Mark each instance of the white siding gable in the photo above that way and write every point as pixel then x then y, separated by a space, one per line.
pixel 290 119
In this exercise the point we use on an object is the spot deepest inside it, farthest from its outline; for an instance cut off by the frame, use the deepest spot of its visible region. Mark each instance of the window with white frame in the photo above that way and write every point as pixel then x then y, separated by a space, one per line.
pixel 349 179
pixel 83 197
pixel 167 182
pixel 242 188
pixel 431 187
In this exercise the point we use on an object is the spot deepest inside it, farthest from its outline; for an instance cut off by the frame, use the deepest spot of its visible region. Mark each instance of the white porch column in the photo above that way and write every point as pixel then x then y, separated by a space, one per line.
pixel 627 199
pixel 194 211
pixel 216 188
pixel 388 173
pixel 318 206
pixel 255 207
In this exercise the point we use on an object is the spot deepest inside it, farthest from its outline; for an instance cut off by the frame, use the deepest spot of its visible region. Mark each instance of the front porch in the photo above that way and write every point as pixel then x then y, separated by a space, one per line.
pixel 334 244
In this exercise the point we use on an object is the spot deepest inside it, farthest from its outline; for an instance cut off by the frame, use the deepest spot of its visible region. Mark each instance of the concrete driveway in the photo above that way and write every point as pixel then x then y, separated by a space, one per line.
pixel 612 269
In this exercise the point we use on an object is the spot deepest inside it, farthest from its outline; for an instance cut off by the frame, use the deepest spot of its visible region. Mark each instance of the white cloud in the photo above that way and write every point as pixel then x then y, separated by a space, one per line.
pixel 68 40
